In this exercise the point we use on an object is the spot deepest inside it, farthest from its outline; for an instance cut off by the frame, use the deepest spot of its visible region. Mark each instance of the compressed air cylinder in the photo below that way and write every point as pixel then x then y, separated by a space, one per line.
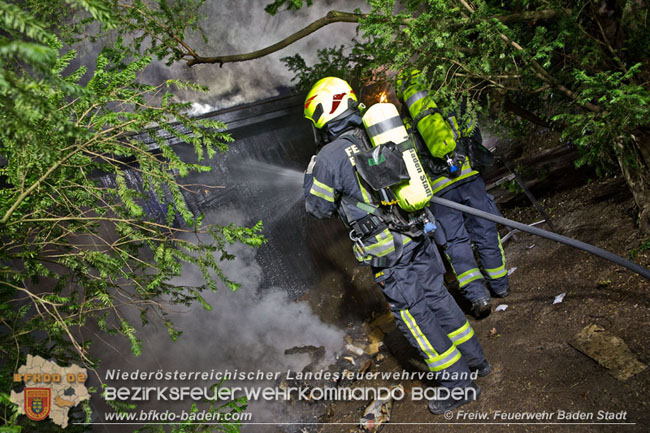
pixel 383 124
pixel 437 133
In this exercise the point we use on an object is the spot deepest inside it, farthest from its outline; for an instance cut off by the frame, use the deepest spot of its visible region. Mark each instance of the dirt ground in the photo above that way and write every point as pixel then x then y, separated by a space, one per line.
pixel 534 367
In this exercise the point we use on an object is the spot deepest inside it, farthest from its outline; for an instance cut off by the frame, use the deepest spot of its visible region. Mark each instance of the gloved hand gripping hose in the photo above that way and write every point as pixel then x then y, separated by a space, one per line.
pixel 545 234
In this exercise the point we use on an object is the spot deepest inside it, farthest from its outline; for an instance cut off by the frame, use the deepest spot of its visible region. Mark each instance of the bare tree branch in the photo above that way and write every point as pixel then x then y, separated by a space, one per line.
pixel 330 18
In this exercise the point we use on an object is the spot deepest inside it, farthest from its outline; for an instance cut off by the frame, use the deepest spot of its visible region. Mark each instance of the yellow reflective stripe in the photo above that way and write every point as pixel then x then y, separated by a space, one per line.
pixel 468 276
pixel 451 264
pixel 381 250
pixel 322 185
pixel 501 271
pixel 384 235
pixel 385 244
pixel 497 272
pixel 462 334
pixel 384 251
pixel 466 273
pixel 503 253
pixel 459 330
pixel 382 239
pixel 313 191
pixel 444 360
pixel 319 189
pixel 364 193
pixel 443 182
pixel 423 342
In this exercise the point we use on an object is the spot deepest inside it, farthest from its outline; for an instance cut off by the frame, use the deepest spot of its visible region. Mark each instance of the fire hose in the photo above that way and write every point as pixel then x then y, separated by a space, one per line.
pixel 545 234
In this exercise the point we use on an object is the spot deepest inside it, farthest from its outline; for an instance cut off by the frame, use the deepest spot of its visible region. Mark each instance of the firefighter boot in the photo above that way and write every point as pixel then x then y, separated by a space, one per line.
pixel 483 369
pixel 481 309
pixel 439 406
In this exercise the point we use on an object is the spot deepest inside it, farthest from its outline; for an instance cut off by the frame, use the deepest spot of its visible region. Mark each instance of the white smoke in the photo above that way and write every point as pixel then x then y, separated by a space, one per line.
pixel 242 26
pixel 251 28
pixel 197 109
pixel 247 330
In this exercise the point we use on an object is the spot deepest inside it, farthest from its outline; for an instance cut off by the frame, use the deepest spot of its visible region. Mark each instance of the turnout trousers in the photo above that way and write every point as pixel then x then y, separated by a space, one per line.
pixel 462 230
pixel 428 315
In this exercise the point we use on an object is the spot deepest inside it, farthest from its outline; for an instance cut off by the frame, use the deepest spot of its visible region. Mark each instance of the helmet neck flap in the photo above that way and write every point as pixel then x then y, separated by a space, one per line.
pixel 344 123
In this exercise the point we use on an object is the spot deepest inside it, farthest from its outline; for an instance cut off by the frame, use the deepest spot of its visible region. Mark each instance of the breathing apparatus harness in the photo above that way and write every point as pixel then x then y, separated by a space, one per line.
pixel 385 215
pixel 451 164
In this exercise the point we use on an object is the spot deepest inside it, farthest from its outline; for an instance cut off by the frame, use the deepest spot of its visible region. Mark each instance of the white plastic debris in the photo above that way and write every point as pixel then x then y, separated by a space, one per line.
pixel 559 298
pixel 511 270
pixel 530 246
pixel 354 349
pixel 501 307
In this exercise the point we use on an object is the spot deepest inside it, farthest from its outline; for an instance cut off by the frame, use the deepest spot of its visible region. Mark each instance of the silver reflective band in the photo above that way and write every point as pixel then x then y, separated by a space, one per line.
pixel 384 125
pixel 384 245
pixel 444 360
pixel 468 277
pixel 415 98
pixel 321 190
pixel 380 251
pixel 450 120
pixel 465 333
pixel 496 274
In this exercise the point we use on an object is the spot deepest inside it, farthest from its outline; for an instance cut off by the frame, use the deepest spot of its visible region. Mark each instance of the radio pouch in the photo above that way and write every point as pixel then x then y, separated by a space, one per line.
pixel 382 166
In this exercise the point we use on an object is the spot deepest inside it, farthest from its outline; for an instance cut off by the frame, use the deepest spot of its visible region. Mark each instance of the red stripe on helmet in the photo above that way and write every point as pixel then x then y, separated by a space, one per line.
pixel 308 101
pixel 336 101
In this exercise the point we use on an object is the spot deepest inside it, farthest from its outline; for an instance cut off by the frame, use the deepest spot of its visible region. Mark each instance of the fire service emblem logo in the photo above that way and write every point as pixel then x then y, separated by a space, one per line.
pixel 37 403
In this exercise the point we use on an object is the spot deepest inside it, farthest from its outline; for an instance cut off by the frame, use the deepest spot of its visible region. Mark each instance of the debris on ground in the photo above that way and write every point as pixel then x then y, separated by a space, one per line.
pixel 365 366
pixel 376 337
pixel 354 349
pixel 511 270
pixel 609 351
pixel 559 298
pixel 378 412
pixel 501 307
pixel 373 348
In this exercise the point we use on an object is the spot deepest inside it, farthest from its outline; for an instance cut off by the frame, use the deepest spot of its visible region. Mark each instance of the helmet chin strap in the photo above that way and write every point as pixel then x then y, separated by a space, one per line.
pixel 320 138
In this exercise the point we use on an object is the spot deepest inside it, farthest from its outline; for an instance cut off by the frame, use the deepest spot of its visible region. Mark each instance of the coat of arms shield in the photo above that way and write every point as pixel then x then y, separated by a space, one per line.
pixel 37 403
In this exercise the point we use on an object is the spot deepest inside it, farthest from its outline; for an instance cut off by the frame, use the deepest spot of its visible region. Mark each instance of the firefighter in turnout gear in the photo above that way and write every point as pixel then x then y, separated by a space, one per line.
pixel 450 156
pixel 405 262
